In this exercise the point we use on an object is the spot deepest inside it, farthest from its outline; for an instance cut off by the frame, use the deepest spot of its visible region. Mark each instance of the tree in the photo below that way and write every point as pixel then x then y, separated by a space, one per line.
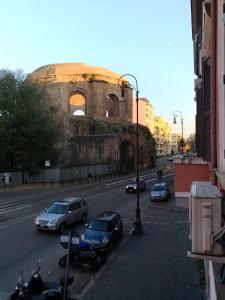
pixel 179 144
pixel 191 142
pixel 28 129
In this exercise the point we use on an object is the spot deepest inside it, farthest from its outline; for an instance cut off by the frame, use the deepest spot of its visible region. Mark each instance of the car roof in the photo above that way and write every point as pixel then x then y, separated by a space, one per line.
pixel 106 215
pixel 160 184
pixel 134 179
pixel 68 200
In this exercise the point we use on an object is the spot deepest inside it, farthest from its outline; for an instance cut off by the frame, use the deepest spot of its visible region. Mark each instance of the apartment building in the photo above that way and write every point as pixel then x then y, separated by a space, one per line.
pixel 145 113
pixel 163 136
pixel 175 142
pixel 201 180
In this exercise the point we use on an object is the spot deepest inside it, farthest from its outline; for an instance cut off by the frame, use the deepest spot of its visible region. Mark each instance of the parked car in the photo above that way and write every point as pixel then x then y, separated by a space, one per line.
pixel 62 213
pixel 106 228
pixel 160 191
pixel 132 185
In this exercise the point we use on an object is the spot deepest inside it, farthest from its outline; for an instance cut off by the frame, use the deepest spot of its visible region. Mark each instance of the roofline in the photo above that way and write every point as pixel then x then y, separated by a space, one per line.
pixel 194 17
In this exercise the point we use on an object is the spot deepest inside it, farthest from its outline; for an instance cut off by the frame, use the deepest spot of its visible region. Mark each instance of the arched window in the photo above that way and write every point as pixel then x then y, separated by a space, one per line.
pixel 112 106
pixel 78 112
pixel 77 105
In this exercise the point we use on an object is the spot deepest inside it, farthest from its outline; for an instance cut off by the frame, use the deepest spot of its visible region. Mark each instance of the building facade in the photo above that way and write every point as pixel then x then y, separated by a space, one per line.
pixel 175 143
pixel 163 136
pixel 208 168
pixel 145 113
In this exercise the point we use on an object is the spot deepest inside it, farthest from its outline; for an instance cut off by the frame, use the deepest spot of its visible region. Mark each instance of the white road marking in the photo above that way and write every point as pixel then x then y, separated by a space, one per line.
pixel 165 223
pixel 7 205
pixel 4 211
pixel 168 208
pixel 124 180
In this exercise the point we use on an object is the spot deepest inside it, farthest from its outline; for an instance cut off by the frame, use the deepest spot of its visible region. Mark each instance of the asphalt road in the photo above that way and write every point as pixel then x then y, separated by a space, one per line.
pixel 22 245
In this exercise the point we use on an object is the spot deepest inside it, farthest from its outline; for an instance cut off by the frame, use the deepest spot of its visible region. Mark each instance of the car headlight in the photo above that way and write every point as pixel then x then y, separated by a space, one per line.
pixel 36 221
pixel 105 240
pixel 53 222
pixel 82 237
pixel 135 187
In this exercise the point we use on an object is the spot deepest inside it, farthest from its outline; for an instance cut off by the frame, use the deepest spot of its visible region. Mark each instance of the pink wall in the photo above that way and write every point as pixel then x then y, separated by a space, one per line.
pixel 186 173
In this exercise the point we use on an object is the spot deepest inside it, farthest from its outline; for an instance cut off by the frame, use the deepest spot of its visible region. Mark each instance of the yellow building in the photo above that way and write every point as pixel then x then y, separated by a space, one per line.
pixel 163 136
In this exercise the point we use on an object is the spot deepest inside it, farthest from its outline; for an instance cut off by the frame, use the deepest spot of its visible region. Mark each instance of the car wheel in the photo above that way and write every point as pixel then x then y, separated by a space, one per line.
pixel 84 218
pixel 62 261
pixel 62 227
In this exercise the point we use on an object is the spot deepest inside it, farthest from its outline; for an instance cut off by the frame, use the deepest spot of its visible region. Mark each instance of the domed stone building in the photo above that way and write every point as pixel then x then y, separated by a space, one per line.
pixel 80 89
pixel 98 134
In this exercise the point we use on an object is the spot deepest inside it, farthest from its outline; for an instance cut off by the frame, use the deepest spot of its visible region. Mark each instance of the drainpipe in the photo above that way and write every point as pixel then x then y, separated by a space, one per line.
pixel 213 78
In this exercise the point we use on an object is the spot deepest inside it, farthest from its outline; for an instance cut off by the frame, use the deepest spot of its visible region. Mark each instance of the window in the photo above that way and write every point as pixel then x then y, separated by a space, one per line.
pixel 77 103
pixel 75 206
pixel 83 202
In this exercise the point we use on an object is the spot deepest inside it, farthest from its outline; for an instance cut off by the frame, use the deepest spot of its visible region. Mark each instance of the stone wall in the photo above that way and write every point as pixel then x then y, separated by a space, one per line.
pixel 95 141
pixel 96 94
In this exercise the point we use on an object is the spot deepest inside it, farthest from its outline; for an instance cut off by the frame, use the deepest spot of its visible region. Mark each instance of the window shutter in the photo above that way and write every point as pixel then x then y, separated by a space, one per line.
pixel 206 109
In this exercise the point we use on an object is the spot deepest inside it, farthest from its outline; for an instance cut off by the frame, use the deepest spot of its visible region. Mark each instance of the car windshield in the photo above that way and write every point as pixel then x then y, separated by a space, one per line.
pixel 98 225
pixel 158 188
pixel 57 209
pixel 132 182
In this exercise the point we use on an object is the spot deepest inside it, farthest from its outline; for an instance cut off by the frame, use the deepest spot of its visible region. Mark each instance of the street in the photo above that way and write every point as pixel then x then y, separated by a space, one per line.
pixel 22 245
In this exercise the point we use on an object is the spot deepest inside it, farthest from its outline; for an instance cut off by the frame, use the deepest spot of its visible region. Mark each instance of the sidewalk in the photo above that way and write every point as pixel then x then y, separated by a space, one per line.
pixel 153 266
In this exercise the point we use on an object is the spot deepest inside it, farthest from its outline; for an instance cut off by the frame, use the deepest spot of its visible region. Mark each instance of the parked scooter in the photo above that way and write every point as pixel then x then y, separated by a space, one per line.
pixel 36 289
pixel 83 253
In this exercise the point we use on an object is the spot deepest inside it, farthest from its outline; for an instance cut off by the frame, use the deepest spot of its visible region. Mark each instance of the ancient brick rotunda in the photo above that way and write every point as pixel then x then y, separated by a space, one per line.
pixel 96 121
pixel 79 89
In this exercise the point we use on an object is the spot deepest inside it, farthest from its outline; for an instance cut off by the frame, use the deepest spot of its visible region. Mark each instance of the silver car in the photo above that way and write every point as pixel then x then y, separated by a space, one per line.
pixel 160 191
pixel 62 213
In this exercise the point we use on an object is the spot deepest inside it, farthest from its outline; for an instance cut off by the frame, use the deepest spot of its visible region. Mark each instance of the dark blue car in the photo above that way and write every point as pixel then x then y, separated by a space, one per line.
pixel 106 228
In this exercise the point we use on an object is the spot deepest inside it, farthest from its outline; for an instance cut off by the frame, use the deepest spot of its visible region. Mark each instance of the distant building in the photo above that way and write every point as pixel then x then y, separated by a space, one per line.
pixel 145 113
pixel 175 140
pixel 163 136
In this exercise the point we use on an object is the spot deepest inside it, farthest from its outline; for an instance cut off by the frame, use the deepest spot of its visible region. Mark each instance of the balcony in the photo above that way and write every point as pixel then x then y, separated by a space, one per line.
pixel 187 170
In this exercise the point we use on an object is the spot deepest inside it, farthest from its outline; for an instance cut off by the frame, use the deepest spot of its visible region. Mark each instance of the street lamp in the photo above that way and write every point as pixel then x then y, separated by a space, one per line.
pixel 123 84
pixel 175 115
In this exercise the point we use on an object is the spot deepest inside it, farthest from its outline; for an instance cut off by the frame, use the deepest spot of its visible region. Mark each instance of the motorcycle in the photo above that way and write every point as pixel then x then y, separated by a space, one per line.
pixel 91 255
pixel 36 289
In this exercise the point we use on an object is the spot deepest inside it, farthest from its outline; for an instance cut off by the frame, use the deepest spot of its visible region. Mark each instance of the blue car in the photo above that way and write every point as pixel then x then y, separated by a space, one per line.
pixel 106 228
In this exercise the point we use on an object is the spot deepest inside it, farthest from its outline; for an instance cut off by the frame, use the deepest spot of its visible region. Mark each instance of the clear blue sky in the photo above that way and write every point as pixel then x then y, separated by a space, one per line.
pixel 149 39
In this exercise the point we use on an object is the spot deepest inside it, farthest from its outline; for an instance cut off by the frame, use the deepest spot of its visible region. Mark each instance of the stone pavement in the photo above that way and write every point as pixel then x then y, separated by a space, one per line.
pixel 153 266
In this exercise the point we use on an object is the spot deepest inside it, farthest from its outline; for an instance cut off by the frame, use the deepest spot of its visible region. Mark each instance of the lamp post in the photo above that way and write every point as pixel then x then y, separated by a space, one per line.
pixel 123 84
pixel 175 115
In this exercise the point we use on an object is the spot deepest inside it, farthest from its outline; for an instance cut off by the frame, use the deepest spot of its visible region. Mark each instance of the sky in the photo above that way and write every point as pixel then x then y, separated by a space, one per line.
pixel 148 39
